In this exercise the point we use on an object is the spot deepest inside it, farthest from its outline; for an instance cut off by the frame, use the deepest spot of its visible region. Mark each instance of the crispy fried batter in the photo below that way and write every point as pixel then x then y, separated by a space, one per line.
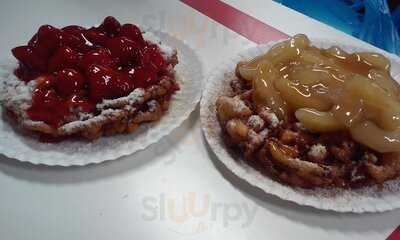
pixel 291 154
pixel 389 169
pixel 113 117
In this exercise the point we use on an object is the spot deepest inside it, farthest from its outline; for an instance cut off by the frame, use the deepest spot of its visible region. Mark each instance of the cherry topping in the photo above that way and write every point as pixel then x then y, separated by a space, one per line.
pixel 105 83
pixel 96 37
pixel 46 97
pixel 24 73
pixel 74 30
pixel 48 107
pixel 45 81
pixel 132 32
pixel 72 41
pixel 64 57
pixel 142 77
pixel 29 57
pixel 111 25
pixel 123 48
pixel 42 50
pixel 69 81
pixel 49 36
pixel 114 59
pixel 77 102
pixel 46 41
pixel 100 56
pixel 33 40
pixel 151 55
pixel 78 42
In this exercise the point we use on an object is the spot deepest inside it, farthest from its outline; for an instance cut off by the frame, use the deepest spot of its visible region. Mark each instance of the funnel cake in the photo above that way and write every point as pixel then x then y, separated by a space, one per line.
pixel 79 82
pixel 311 117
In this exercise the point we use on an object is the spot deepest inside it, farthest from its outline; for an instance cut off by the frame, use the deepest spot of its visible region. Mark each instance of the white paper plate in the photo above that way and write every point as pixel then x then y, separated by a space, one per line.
pixel 72 152
pixel 368 199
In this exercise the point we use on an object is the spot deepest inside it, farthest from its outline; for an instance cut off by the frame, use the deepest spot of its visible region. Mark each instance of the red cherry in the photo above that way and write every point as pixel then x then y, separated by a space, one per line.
pixel 71 40
pixel 46 97
pixel 111 25
pixel 49 36
pixel 22 53
pixel 85 48
pixel 74 30
pixel 151 55
pixel 64 57
pixel 29 57
pixel 42 51
pixel 105 82
pixel 142 77
pixel 132 32
pixel 96 37
pixel 69 81
pixel 47 107
pixel 78 32
pixel 100 56
pixel 33 40
pixel 48 40
pixel 40 48
pixel 78 103
pixel 124 49
pixel 25 74
pixel 45 81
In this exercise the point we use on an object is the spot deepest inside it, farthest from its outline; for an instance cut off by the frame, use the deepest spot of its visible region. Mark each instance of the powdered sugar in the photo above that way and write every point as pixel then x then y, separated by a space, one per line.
pixel 104 115
pixel 255 138
pixel 354 176
pixel 153 105
pixel 255 122
pixel 264 133
pixel 370 157
pixel 15 93
pixel 271 118
pixel 84 116
pixel 317 151
pixel 232 125
pixel 239 105
pixel 130 99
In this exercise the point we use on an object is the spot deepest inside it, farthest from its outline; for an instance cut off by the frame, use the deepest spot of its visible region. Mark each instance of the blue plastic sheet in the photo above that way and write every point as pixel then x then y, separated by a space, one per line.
pixel 369 20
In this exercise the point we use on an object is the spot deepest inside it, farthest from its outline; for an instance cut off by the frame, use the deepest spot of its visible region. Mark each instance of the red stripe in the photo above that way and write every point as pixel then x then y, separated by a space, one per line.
pixel 395 235
pixel 237 21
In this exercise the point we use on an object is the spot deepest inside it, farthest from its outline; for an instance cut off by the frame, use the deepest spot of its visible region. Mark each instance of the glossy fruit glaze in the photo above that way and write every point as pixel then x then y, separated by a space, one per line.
pixel 78 67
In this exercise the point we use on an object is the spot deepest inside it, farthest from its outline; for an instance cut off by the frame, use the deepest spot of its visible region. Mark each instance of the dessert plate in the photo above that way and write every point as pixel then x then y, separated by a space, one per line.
pixel 367 199
pixel 14 144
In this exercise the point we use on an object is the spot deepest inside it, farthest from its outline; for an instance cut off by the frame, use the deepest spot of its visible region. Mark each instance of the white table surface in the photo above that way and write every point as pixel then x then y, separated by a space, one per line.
pixel 142 196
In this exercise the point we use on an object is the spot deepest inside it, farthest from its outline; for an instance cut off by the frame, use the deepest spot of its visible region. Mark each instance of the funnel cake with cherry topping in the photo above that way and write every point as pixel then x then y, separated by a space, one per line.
pixel 311 117
pixel 79 82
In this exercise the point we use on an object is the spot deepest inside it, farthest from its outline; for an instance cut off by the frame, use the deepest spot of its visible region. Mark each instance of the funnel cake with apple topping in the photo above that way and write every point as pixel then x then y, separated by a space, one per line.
pixel 312 117
pixel 90 82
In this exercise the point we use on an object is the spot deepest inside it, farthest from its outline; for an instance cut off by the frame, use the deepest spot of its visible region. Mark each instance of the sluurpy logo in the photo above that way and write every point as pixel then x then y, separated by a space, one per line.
pixel 198 211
